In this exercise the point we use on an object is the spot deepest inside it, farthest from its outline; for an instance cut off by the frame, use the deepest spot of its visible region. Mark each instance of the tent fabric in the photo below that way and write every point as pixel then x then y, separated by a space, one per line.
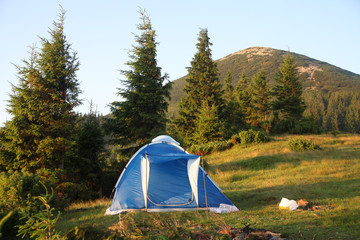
pixel 165 138
pixel 162 176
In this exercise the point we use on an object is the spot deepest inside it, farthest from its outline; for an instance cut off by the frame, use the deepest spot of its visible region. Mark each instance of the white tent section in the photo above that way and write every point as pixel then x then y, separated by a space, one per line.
pixel 165 139
pixel 162 176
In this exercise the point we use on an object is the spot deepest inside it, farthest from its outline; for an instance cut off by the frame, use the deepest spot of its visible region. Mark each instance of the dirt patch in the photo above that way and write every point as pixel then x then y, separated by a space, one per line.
pixel 310 70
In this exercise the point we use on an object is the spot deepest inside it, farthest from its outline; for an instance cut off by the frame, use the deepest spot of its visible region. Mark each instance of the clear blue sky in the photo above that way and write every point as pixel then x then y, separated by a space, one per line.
pixel 102 32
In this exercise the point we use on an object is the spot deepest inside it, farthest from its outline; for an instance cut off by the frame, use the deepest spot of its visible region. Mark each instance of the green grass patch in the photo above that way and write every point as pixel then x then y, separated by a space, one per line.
pixel 255 178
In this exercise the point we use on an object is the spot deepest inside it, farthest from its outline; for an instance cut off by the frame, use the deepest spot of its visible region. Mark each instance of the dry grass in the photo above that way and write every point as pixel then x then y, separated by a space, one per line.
pixel 255 179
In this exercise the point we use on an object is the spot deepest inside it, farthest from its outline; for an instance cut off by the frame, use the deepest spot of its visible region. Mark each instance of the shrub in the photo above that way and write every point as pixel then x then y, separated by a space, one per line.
pixel 244 137
pixel 282 126
pixel 40 225
pixel 260 137
pixel 299 144
pixel 250 136
pixel 207 148
pixel 306 126
pixel 17 189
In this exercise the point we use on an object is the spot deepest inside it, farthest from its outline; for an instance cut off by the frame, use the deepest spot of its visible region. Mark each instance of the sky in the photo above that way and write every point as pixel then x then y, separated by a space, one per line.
pixel 102 33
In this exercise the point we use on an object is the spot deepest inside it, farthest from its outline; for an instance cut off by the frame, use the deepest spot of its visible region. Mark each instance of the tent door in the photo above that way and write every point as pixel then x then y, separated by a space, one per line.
pixel 168 184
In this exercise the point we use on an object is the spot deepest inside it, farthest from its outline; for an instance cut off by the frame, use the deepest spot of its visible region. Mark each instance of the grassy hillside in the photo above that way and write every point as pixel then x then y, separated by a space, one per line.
pixel 255 178
pixel 314 74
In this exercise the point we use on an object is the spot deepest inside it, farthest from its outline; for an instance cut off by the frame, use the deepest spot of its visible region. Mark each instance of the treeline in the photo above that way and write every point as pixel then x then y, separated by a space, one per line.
pixel 338 111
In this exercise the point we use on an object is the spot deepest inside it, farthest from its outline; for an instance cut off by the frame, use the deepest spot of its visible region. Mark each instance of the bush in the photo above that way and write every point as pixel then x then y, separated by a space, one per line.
pixel 17 192
pixel 306 126
pixel 299 144
pixel 249 137
pixel 210 147
pixel 282 126
pixel 40 224
pixel 17 189
pixel 260 137
pixel 244 137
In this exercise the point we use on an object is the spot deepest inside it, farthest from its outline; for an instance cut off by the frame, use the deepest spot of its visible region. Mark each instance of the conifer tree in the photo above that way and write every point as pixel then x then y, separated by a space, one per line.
pixel 202 85
pixel 353 114
pixel 39 134
pixel 229 95
pixel 90 149
pixel 243 96
pixel 288 101
pixel 335 118
pixel 316 102
pixel 208 126
pixel 260 101
pixel 232 113
pixel 142 113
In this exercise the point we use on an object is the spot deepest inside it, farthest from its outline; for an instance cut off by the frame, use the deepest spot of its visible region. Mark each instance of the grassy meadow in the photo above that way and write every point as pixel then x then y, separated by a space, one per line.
pixel 255 178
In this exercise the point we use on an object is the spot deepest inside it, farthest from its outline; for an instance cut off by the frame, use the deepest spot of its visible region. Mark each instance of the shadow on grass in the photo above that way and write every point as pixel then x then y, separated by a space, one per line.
pixel 259 162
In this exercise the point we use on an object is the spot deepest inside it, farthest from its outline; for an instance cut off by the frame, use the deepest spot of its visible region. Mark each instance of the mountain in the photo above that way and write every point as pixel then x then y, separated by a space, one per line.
pixel 314 74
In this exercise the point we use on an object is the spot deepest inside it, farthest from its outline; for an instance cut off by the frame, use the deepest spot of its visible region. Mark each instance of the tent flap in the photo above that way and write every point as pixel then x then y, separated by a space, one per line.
pixel 193 172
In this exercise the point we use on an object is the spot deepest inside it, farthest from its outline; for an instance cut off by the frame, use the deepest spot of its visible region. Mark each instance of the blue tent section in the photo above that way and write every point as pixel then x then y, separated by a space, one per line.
pixel 162 176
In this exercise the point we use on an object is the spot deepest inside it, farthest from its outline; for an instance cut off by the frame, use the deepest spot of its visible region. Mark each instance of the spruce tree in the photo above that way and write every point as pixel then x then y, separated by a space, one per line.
pixel 335 118
pixel 288 90
pixel 243 96
pixel 202 87
pixel 232 113
pixel 316 103
pixel 229 95
pixel 40 133
pixel 260 101
pixel 86 169
pixel 142 113
pixel 353 114
pixel 208 126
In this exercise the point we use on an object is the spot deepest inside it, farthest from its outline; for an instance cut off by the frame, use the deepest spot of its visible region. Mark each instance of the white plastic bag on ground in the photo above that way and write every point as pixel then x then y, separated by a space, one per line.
pixel 288 204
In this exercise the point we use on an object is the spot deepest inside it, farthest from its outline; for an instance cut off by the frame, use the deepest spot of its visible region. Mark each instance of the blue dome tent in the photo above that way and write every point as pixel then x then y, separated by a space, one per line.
pixel 162 176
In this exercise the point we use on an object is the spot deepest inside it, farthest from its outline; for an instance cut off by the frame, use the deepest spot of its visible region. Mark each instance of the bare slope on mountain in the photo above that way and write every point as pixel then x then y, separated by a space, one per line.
pixel 314 74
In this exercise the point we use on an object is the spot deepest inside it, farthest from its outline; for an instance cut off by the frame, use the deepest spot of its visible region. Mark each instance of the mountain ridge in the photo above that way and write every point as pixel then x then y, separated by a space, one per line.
pixel 314 74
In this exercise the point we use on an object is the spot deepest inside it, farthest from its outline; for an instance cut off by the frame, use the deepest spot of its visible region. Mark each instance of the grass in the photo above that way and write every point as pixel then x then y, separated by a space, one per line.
pixel 255 178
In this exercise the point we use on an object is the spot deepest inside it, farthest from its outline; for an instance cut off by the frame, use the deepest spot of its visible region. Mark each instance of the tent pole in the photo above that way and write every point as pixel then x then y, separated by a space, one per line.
pixel 146 189
pixel 206 202
pixel 107 205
